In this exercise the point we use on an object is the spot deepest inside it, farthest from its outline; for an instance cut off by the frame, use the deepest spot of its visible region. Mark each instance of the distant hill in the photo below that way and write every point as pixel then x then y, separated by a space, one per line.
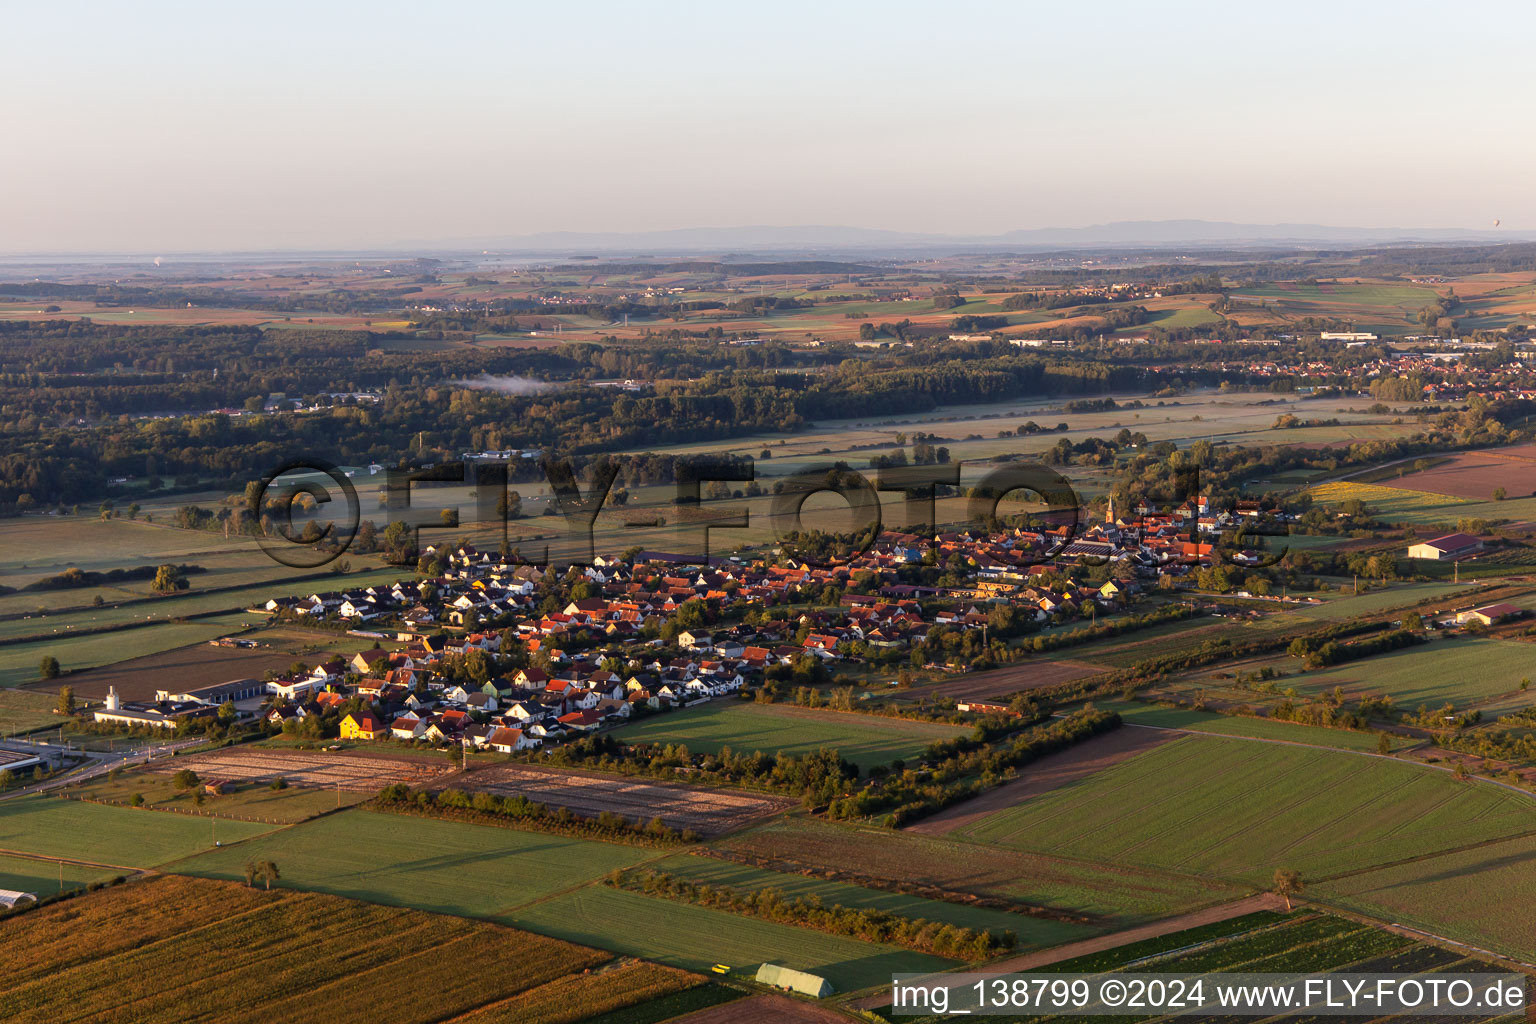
pixel 813 238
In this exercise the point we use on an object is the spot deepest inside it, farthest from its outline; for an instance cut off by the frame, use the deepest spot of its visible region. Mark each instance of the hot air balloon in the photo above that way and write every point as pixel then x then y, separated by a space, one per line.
pixel 1495 223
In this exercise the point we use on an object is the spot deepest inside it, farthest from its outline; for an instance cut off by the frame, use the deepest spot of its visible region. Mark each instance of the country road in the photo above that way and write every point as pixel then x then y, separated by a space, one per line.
pixel 101 765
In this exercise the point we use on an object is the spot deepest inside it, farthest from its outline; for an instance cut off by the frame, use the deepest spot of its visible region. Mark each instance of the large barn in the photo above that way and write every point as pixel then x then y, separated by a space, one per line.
pixel 1447 548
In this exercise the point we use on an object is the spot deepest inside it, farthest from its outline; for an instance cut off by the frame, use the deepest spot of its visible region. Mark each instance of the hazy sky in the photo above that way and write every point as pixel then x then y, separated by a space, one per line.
pixel 236 125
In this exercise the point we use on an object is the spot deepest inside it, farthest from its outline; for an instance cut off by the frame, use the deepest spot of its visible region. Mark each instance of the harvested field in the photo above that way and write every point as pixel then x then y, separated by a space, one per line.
pixel 779 1009
pixel 1048 773
pixel 1029 675
pixel 1478 474
pixel 353 773
pixel 709 812
pixel 183 668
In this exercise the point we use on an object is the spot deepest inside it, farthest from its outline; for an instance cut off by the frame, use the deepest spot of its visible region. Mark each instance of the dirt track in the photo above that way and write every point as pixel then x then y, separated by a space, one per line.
pixel 1042 776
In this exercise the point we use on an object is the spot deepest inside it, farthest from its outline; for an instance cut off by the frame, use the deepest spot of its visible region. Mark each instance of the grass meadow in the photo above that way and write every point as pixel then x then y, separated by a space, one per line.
pixel 117 836
pixel 444 866
pixel 1346 605
pixel 863 739
pixel 1456 671
pixel 41 877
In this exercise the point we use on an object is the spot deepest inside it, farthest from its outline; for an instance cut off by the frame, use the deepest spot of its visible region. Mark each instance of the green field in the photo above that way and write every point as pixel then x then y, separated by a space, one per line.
pixel 1370 602
pixel 23 710
pixel 41 877
pixel 865 740
pixel 246 801
pixel 1456 671
pixel 1243 725
pixel 19 662
pixel 1422 508
pixel 1472 895
pixel 1237 810
pixel 696 938
pixel 1112 895
pixel 400 860
pixel 192 602
pixel 1368 305
pixel 1032 931
pixel 119 836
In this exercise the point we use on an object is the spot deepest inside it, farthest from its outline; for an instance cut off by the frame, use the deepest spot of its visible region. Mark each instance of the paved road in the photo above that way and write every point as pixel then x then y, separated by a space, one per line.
pixel 101 764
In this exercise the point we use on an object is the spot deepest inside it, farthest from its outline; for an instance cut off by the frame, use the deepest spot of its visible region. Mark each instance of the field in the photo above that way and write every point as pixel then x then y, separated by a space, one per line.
pixel 1032 931
pixel 401 860
pixel 1476 475
pixel 1109 895
pixel 866 740
pixel 113 836
pixel 696 938
pixel 23 711
pixel 349 772
pixel 1000 682
pixel 1469 895
pixel 704 810
pixel 1463 672
pixel 778 1009
pixel 41 877
pixel 248 801
pixel 19 662
pixel 173 949
pixel 1303 942
pixel 1243 725
pixel 1372 602
pixel 1238 809
pixel 1420 508
pixel 1054 770
pixel 1390 307
pixel 1393 504
pixel 137 678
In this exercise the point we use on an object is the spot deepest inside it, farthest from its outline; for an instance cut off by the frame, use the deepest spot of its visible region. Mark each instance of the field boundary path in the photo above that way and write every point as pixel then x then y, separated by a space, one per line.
pixel 1112 940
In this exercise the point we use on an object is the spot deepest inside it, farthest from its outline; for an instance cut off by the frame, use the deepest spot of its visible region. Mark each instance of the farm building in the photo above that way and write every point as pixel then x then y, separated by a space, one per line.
pixel 217 693
pixel 1490 614
pixel 1449 547
pixel 10 898
pixel 795 981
